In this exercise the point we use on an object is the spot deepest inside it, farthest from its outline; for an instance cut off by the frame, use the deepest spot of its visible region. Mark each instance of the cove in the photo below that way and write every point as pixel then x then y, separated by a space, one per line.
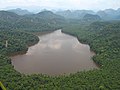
pixel 55 54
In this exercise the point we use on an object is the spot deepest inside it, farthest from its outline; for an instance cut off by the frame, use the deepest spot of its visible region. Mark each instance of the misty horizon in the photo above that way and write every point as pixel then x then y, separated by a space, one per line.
pixel 39 5
pixel 55 10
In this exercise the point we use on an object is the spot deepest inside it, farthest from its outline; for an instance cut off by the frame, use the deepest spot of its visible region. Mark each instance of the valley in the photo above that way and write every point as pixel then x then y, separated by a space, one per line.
pixel 103 38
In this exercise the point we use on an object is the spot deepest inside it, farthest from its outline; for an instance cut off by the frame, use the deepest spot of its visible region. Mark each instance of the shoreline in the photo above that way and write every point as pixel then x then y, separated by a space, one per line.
pixel 22 51
pixel 93 53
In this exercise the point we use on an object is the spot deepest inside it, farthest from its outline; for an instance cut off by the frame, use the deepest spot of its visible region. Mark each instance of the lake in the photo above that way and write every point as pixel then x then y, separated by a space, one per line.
pixel 55 54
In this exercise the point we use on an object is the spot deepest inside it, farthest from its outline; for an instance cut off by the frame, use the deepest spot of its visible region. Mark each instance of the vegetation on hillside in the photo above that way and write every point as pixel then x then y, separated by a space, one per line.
pixel 42 21
pixel 91 18
pixel 17 41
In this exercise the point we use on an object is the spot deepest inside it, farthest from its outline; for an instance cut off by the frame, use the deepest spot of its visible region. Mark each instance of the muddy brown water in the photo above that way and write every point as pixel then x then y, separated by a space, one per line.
pixel 55 54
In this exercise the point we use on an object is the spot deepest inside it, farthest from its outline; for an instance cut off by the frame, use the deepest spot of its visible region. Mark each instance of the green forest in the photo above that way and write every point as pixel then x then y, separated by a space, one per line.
pixel 102 36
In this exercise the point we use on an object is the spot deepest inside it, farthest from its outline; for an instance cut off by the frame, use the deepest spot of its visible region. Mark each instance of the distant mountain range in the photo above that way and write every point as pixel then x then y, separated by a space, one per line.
pixel 108 14
pixel 20 11
pixel 77 14
pixel 44 20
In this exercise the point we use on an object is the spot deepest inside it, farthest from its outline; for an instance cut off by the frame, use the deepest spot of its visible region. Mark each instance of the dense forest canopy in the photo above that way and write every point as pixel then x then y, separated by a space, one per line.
pixel 102 36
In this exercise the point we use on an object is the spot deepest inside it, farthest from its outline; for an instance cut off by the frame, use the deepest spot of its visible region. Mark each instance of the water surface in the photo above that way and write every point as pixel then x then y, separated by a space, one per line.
pixel 56 53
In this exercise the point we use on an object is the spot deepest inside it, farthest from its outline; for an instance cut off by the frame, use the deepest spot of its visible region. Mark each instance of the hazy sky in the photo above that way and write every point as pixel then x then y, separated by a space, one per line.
pixel 60 4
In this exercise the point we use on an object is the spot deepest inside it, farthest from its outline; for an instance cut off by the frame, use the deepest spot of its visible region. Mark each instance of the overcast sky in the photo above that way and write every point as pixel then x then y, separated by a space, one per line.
pixel 60 4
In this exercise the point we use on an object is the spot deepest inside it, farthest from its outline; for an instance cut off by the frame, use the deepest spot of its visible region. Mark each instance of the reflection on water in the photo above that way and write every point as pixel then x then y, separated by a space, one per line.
pixel 56 53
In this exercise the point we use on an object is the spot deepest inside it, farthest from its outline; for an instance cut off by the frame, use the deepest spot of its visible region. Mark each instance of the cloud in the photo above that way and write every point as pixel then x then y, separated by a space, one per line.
pixel 61 4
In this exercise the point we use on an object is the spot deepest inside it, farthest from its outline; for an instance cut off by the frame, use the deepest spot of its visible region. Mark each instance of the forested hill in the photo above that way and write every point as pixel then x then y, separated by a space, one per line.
pixel 7 20
pixel 20 11
pixel 48 15
pixel 45 20
pixel 8 16
pixel 18 41
pixel 91 18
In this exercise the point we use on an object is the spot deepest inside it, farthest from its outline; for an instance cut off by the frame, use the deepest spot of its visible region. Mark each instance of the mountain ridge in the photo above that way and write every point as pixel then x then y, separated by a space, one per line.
pixel 20 11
